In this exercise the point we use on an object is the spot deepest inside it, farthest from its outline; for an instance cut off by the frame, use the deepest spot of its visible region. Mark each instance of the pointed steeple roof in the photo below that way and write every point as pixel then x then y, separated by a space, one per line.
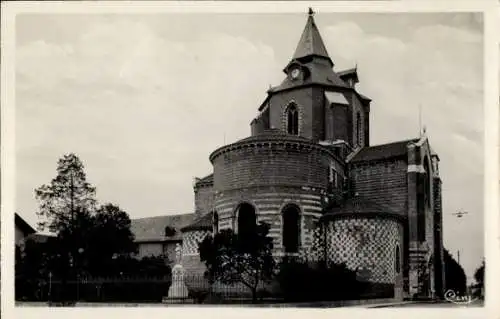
pixel 311 43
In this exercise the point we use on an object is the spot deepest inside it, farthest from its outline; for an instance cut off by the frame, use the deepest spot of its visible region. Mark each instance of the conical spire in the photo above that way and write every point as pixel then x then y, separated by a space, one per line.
pixel 310 43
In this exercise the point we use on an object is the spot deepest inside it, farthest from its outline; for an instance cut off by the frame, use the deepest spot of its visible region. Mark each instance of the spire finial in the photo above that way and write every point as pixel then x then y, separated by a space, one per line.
pixel 311 12
pixel 420 120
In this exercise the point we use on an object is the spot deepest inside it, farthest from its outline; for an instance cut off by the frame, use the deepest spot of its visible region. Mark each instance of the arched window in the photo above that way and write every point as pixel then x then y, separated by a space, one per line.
pixel 397 260
pixel 247 221
pixel 291 228
pixel 215 220
pixel 358 129
pixel 292 120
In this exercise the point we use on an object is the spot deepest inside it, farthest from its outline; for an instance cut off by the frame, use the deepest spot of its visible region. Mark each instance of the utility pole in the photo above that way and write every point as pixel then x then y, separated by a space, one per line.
pixel 459 214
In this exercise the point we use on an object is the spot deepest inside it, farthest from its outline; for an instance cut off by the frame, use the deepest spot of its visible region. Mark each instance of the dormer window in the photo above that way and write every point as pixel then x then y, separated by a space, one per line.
pixel 292 120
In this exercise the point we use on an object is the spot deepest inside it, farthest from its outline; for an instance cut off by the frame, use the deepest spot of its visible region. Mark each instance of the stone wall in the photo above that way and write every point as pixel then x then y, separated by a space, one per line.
pixel 269 202
pixel 368 244
pixel 302 99
pixel 190 254
pixel 149 249
pixel 440 283
pixel 265 163
pixel 382 182
pixel 203 199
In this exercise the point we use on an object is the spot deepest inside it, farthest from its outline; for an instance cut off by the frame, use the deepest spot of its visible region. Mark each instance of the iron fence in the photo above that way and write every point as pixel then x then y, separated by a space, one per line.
pixel 156 289
pixel 107 289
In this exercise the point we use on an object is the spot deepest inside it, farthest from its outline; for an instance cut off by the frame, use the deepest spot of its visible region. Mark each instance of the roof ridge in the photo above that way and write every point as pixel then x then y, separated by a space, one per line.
pixel 394 142
pixel 166 215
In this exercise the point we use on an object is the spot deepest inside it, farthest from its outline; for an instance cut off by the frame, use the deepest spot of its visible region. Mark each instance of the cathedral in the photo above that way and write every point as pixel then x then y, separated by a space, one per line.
pixel 309 170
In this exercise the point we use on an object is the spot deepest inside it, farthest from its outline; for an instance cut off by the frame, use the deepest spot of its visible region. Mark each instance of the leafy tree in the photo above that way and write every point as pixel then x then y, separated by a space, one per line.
pixel 109 237
pixel 234 259
pixel 479 277
pixel 299 282
pixel 34 261
pixel 455 278
pixel 67 201
pixel 479 274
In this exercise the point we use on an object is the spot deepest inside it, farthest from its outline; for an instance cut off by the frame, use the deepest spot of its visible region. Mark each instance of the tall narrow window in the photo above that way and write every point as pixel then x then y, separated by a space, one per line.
pixel 358 129
pixel 292 120
pixel 333 177
pixel 215 222
pixel 291 228
pixel 397 260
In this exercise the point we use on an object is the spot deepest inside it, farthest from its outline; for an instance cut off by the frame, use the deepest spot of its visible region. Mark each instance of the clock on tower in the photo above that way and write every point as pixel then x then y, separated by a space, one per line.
pixel 295 73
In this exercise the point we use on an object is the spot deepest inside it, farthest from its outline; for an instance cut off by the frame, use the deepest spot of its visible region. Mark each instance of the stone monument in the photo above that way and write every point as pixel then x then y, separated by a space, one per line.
pixel 178 292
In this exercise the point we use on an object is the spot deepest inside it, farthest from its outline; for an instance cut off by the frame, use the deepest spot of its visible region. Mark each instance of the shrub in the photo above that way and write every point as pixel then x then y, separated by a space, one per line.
pixel 300 281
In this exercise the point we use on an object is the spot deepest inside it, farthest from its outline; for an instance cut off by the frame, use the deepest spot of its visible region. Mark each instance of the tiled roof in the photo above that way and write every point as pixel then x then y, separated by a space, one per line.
pixel 359 206
pixel 153 228
pixel 320 74
pixel 23 225
pixel 310 42
pixel 202 223
pixel 274 134
pixel 384 151
pixel 310 47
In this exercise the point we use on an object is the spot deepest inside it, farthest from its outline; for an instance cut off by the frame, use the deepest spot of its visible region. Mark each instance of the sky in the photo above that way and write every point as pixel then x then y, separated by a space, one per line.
pixel 144 99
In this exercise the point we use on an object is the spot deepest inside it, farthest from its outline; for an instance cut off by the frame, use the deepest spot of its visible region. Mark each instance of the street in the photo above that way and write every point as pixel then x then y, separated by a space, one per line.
pixel 442 304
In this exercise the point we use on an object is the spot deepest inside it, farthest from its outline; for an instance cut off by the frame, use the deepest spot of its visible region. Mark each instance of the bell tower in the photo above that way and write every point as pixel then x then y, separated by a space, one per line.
pixel 313 101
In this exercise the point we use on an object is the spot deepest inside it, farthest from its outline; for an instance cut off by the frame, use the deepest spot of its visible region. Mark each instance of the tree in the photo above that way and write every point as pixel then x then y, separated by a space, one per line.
pixel 479 277
pixel 34 261
pixel 67 198
pixel 110 237
pixel 300 282
pixel 479 274
pixel 234 259
pixel 455 278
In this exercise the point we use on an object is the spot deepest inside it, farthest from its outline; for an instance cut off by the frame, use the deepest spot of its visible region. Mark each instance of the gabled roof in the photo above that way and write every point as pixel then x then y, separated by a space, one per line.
pixel 383 151
pixel 23 225
pixel 310 43
pixel 152 229
pixel 319 74
pixel 202 223
pixel 359 206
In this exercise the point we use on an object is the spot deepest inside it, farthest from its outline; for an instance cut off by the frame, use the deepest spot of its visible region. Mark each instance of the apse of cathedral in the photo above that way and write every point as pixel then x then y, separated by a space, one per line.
pixel 308 169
